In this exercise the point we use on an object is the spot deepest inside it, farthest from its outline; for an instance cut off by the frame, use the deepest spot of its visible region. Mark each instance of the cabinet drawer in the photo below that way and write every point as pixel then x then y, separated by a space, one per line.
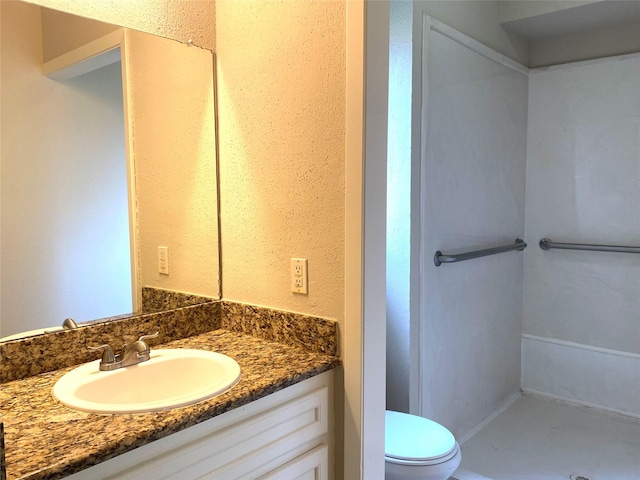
pixel 313 465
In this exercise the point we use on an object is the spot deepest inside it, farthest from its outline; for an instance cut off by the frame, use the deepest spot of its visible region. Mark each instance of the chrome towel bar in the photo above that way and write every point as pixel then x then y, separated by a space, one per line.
pixel 546 244
pixel 439 258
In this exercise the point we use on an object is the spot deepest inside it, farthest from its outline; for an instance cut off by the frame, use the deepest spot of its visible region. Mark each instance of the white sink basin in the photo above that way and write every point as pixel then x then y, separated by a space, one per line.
pixel 171 378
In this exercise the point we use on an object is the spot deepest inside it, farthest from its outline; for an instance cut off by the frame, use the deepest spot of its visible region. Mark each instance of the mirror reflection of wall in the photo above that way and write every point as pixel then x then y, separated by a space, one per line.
pixel 69 247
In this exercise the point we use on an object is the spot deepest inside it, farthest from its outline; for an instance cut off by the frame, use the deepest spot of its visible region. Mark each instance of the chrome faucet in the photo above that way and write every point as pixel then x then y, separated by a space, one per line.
pixel 132 354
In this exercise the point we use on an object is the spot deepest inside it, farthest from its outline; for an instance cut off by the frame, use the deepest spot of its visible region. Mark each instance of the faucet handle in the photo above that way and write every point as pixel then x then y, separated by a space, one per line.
pixel 107 353
pixel 145 337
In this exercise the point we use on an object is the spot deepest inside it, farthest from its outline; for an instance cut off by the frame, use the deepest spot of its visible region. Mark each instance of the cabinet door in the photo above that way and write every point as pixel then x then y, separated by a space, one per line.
pixel 266 441
pixel 313 465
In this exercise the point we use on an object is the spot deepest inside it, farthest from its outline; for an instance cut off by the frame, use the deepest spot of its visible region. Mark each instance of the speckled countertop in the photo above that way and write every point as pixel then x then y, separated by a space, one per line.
pixel 45 440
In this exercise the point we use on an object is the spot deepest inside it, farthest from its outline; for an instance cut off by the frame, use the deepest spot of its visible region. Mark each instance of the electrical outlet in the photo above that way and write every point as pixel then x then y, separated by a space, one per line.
pixel 299 276
pixel 163 260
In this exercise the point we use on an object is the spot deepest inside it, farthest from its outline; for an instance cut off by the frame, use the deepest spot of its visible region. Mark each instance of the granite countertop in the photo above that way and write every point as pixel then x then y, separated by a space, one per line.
pixel 46 440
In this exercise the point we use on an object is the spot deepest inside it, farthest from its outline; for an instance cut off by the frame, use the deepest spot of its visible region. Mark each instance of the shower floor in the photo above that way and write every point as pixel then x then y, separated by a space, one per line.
pixel 538 439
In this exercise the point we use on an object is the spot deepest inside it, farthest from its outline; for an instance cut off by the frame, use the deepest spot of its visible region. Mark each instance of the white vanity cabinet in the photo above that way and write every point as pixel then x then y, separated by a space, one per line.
pixel 285 435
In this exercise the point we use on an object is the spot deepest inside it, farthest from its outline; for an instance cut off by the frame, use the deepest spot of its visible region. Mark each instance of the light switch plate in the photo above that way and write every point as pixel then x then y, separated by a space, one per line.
pixel 163 260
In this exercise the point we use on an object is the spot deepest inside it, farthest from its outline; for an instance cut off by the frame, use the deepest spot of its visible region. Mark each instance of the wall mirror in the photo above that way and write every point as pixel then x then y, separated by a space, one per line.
pixel 107 153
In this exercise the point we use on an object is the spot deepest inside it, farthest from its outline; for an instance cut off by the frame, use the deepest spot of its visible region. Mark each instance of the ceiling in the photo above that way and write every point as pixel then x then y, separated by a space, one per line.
pixel 580 18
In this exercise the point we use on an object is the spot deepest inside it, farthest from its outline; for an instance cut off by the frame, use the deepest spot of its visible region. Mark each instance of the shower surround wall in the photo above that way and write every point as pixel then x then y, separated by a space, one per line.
pixel 581 310
pixel 473 195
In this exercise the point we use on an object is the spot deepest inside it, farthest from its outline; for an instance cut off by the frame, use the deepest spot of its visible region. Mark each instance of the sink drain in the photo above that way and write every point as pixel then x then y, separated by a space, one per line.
pixel 578 477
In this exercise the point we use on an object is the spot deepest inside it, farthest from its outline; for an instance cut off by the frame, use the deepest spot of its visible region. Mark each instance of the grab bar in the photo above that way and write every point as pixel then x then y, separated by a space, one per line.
pixel 439 258
pixel 546 244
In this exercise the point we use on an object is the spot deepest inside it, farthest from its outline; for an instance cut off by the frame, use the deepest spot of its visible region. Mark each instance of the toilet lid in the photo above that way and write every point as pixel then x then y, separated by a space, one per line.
pixel 416 439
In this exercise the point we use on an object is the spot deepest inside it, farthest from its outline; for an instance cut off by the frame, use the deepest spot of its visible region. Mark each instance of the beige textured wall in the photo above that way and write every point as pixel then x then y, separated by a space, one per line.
pixel 181 20
pixel 281 90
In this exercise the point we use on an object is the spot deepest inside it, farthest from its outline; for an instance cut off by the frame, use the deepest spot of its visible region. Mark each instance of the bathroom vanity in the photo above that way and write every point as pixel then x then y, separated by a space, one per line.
pixel 284 435
pixel 275 423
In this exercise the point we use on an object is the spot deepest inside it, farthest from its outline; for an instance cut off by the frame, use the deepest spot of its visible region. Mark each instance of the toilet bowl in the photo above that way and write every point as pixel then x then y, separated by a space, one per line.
pixel 418 448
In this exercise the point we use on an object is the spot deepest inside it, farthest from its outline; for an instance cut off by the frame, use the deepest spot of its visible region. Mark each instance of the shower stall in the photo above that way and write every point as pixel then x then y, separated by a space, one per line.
pixel 506 157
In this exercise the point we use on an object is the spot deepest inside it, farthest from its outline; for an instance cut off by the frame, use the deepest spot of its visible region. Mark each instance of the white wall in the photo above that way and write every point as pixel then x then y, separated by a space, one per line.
pixel 583 181
pixel 481 21
pixel 62 151
pixel 473 180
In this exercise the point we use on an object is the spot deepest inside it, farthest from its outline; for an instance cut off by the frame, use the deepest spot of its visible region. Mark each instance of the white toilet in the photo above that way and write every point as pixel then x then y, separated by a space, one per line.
pixel 417 448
